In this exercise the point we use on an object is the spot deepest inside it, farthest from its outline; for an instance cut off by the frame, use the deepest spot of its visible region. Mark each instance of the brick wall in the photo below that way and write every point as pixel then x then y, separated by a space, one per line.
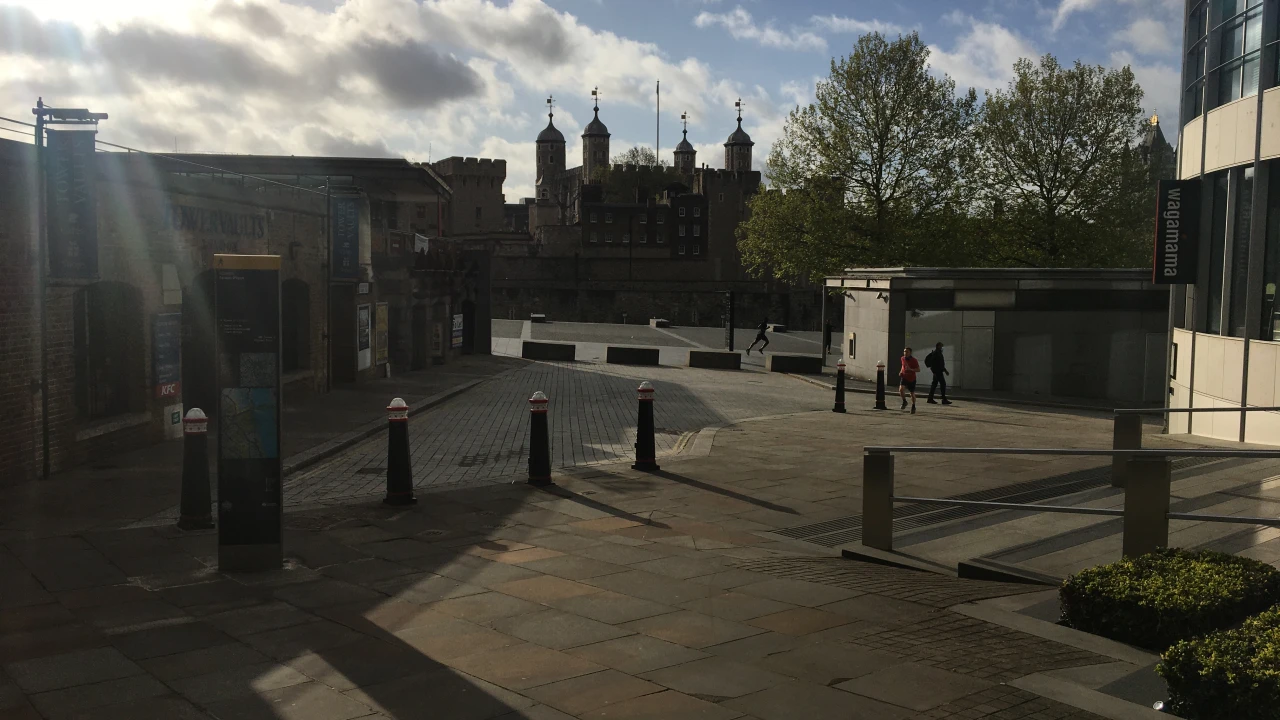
pixel 19 343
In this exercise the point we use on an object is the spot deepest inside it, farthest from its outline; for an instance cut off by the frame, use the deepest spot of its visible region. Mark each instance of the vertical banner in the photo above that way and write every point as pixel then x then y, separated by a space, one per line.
pixel 1176 255
pixel 72 204
pixel 364 348
pixel 381 336
pixel 346 238
pixel 250 502
pixel 455 340
pixel 166 357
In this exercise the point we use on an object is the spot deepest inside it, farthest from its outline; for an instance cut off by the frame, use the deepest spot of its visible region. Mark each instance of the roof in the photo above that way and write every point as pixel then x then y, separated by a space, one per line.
pixel 739 136
pixel 684 145
pixel 550 133
pixel 595 128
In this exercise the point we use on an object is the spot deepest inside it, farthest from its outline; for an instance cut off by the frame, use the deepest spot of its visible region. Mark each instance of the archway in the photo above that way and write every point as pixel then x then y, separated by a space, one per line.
pixel 295 325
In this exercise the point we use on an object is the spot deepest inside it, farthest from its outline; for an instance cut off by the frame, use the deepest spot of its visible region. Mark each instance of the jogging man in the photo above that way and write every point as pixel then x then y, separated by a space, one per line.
pixel 938 364
pixel 760 331
pixel 907 379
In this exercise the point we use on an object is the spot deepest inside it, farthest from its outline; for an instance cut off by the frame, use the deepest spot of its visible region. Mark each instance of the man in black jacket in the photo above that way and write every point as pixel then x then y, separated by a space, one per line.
pixel 938 365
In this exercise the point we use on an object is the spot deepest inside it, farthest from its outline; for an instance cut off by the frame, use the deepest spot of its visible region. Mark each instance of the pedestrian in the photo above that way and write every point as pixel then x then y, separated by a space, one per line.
pixel 907 379
pixel 938 364
pixel 826 339
pixel 760 331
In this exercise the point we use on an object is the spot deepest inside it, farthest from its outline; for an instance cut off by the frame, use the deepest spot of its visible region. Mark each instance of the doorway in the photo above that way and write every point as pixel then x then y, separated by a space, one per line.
pixel 199 346
pixel 977 347
pixel 342 333
pixel 420 350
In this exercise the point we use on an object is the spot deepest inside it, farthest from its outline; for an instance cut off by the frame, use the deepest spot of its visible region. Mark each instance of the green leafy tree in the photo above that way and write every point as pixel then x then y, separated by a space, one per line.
pixel 638 155
pixel 871 173
pixel 1063 183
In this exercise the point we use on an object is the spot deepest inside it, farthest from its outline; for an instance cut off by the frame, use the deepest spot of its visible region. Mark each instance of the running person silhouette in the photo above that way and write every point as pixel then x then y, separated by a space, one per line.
pixel 760 331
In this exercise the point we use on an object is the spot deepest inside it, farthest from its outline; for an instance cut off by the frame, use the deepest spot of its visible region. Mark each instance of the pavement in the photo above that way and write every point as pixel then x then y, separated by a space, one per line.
pixel 713 588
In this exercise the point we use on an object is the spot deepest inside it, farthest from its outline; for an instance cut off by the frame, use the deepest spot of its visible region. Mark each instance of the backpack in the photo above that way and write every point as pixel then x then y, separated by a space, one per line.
pixel 928 359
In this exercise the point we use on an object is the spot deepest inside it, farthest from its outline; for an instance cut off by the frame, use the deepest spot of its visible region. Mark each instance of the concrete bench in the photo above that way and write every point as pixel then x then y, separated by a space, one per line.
pixel 619 355
pixel 803 364
pixel 548 351
pixel 537 317
pixel 659 323
pixel 715 359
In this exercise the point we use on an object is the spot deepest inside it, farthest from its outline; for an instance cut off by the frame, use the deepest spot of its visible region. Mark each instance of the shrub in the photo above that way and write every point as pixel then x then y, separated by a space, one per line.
pixel 1155 600
pixel 1227 675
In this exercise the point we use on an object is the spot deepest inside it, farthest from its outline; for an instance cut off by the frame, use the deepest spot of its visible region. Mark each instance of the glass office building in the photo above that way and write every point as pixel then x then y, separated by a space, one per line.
pixel 1226 336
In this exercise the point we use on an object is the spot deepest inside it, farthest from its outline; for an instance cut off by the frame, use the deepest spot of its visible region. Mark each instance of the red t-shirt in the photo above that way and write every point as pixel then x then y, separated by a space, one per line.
pixel 910 366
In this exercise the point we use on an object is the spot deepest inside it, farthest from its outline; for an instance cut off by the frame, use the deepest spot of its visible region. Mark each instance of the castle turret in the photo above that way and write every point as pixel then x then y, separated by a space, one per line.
pixel 686 156
pixel 595 145
pixel 737 149
pixel 550 160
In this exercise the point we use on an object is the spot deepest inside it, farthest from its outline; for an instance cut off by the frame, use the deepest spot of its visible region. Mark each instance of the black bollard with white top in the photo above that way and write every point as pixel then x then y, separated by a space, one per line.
pixel 880 386
pixel 539 441
pixel 839 406
pixel 646 450
pixel 195 512
pixel 399 466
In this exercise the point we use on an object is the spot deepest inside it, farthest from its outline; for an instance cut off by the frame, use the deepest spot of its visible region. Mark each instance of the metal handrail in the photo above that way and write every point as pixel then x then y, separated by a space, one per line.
pixel 1144 452
pixel 1069 509
pixel 1163 411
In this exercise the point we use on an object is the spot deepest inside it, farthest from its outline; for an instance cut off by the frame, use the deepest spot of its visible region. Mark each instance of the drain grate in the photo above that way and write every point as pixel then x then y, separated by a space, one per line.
pixel 913 516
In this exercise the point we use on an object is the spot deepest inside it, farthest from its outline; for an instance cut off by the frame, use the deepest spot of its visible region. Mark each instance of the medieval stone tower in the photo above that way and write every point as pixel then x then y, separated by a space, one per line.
pixel 737 149
pixel 595 145
pixel 550 160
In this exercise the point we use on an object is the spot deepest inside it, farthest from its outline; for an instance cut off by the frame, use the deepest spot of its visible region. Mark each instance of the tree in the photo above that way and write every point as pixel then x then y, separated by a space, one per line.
pixel 871 173
pixel 1063 181
pixel 638 155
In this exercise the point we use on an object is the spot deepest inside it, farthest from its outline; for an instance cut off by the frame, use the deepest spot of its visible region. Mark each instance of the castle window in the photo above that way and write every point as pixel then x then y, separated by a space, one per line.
pixel 661 218
pixel 608 237
pixel 697 212
pixel 697 249
pixel 644 219
pixel 593 217
pixel 721 197
pixel 681 212
pixel 544 193
pixel 697 230
pixel 422 211
pixel 594 236
pixel 681 249
pixel 682 230
pixel 608 217
pixel 626 238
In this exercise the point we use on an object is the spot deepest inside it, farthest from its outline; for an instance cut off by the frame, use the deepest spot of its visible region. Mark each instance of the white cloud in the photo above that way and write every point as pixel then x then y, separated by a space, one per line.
pixel 742 26
pixel 1159 83
pixel 838 24
pixel 1147 36
pixel 1067 7
pixel 982 57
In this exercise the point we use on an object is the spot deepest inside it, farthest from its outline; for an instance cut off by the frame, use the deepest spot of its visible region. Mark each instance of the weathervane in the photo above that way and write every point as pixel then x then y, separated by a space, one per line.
pixel 595 97
pixel 551 107
pixel 739 106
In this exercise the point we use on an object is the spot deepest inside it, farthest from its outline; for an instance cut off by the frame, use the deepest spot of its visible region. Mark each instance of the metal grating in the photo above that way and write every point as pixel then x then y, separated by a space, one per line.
pixel 913 516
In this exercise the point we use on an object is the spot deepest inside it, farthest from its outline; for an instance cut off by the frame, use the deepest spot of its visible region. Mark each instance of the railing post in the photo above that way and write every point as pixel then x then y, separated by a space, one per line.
pixel 1126 434
pixel 877 500
pixel 1146 505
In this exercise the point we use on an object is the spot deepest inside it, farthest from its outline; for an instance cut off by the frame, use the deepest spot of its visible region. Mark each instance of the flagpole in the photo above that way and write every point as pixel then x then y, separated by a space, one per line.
pixel 657 125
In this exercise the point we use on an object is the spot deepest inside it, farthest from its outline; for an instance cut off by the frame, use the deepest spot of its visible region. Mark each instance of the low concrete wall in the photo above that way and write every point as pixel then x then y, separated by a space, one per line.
pixel 619 355
pixel 804 364
pixel 548 351
pixel 715 359
pixel 659 323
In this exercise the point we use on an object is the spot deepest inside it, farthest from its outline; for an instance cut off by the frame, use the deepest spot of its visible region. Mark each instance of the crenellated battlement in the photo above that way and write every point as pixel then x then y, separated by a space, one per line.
pixel 480 167
pixel 715 176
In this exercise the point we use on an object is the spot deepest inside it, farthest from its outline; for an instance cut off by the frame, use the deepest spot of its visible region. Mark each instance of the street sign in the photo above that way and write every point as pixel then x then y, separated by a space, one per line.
pixel 1176 252
pixel 346 238
pixel 71 204
pixel 247 301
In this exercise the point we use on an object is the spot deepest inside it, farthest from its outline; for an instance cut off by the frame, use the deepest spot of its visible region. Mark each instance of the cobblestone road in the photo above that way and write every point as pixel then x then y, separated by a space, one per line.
pixel 482 436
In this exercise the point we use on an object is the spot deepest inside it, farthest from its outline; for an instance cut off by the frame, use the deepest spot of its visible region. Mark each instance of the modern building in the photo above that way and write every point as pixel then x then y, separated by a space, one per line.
pixel 1226 336
pixel 1068 333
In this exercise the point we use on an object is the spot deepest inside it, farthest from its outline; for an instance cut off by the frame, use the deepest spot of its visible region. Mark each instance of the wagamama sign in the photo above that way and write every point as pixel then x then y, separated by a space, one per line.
pixel 1177 228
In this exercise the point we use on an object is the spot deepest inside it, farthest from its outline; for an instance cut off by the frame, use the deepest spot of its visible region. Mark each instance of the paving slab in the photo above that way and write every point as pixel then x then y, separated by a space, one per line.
pixel 558 630
pixel 237 681
pixel 441 694
pixel 669 705
pixel 637 654
pixel 519 667
pixel 914 687
pixel 305 701
pixel 715 678
pixel 610 607
pixel 59 704
pixel 691 629
pixel 591 692
pixel 806 700
pixel 71 669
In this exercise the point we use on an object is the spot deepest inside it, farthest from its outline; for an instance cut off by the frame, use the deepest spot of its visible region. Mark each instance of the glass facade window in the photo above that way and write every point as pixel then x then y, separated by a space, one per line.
pixel 1239 60
pixel 1271 265
pixel 1240 251
pixel 1197 47
pixel 1217 252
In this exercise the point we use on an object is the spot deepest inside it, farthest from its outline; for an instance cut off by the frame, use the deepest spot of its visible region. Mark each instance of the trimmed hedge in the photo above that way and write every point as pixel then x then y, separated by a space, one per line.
pixel 1155 600
pixel 1227 675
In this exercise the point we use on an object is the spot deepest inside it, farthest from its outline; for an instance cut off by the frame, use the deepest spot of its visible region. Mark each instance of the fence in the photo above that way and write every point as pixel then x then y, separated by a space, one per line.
pixel 1146 500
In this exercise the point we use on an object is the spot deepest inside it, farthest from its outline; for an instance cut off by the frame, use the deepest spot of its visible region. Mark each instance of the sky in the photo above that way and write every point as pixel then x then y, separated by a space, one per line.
pixel 428 79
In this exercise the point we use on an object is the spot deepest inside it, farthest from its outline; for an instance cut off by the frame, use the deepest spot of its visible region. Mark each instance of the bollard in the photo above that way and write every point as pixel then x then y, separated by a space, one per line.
pixel 195 511
pixel 399 466
pixel 539 441
pixel 839 406
pixel 877 500
pixel 1126 434
pixel 1146 505
pixel 880 385
pixel 646 452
